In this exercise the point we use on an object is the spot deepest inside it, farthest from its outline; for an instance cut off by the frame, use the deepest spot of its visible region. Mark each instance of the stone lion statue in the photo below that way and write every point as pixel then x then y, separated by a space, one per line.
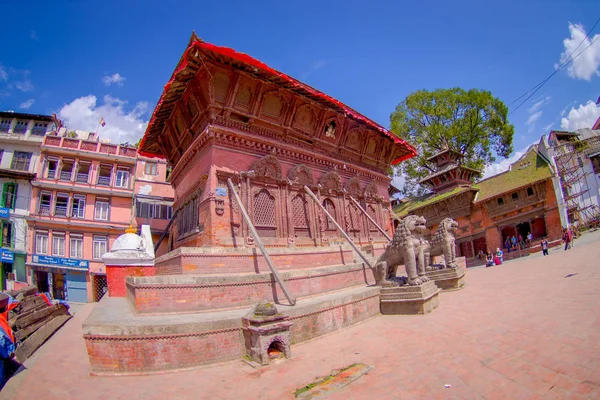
pixel 407 247
pixel 443 243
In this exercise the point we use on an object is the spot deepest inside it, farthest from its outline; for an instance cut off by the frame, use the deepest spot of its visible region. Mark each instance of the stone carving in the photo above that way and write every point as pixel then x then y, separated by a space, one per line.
pixel 265 329
pixel 300 175
pixel 443 243
pixel 305 118
pixel 330 130
pixel 331 181
pixel 407 247
pixel 371 190
pixel 267 167
pixel 352 187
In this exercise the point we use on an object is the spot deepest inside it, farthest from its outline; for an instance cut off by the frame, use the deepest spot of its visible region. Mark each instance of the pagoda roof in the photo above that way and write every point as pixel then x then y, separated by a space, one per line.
pixel 530 168
pixel 192 60
pixel 447 168
pixel 439 153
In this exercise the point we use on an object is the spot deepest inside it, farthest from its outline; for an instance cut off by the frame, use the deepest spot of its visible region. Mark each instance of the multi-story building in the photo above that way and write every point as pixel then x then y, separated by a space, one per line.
pixel 576 159
pixel 154 199
pixel 82 201
pixel 20 138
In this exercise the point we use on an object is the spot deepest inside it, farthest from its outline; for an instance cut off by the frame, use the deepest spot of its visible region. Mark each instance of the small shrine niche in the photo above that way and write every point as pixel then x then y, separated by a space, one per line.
pixel 330 130
pixel 267 334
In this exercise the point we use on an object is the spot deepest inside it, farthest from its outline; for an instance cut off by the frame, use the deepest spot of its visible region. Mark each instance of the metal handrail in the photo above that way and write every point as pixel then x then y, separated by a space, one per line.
pixel 260 245
pixel 357 204
pixel 355 247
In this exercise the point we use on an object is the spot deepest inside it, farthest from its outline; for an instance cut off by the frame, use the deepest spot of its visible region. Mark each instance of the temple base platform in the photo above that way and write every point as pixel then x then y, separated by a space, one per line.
pixel 448 279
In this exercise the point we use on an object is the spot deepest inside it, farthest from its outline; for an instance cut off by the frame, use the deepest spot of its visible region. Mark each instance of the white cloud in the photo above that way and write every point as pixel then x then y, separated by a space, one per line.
pixel 539 103
pixel 27 104
pixel 533 118
pixel 588 62
pixel 583 116
pixel 122 126
pixel 315 65
pixel 548 127
pixel 33 36
pixel 3 74
pixel 25 85
pixel 114 78
pixel 501 166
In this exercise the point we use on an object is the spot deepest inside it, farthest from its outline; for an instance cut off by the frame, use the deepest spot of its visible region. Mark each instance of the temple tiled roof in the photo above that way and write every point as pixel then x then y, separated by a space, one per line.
pixel 404 209
pixel 530 168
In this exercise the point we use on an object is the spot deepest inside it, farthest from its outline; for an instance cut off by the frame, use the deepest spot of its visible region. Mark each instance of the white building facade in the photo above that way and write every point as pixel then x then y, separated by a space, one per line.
pixel 21 136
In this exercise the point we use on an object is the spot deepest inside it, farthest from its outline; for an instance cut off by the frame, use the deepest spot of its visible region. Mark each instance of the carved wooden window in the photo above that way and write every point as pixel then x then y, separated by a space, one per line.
pixel 500 201
pixel 515 196
pixel 300 217
pixel 328 204
pixel 353 226
pixel 264 214
pixel 372 228
pixel 529 191
pixel 187 219
pixel 220 87
pixel 192 108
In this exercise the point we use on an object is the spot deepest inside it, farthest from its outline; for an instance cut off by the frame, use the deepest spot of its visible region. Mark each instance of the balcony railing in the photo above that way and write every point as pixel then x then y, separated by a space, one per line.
pixel 19 130
pixel 60 211
pixel 65 175
pixel 44 209
pixel 82 178
pixel 51 173
pixel 104 181
pixel 38 131
pixel 86 145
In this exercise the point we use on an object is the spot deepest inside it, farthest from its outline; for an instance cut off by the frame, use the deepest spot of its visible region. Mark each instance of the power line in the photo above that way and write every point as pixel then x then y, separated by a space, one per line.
pixel 567 61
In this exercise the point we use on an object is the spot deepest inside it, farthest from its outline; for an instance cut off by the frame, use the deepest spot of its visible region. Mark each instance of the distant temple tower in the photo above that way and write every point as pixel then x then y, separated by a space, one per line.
pixel 449 173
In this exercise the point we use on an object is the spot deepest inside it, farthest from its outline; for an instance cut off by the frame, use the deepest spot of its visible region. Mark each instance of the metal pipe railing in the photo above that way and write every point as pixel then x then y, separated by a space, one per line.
pixel 260 245
pixel 357 204
pixel 355 247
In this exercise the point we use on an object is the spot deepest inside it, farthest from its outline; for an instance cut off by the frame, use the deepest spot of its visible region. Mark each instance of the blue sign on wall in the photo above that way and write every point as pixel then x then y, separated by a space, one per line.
pixel 60 261
pixel 7 256
pixel 4 212
pixel 221 192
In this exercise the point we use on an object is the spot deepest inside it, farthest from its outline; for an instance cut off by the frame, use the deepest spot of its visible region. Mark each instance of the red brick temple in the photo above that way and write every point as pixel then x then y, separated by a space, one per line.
pixel 224 116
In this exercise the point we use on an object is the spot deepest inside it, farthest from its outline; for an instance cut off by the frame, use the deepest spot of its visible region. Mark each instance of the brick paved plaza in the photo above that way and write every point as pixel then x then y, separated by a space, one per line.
pixel 523 330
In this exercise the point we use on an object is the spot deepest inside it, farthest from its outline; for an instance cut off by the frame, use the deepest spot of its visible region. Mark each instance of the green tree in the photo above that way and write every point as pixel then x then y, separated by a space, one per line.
pixel 472 122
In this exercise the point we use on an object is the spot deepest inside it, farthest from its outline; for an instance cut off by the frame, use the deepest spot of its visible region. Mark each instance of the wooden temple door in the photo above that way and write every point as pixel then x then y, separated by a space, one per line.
pixel 330 229
pixel 300 219
pixel 372 230
pixel 353 221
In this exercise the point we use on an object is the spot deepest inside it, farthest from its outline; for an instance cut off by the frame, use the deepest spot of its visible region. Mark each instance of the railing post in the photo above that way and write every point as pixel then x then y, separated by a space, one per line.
pixel 260 245
pixel 355 247
pixel 357 204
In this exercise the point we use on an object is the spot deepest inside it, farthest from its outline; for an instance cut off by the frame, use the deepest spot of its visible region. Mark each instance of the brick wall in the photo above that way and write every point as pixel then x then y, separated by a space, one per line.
pixel 155 353
pixel 116 275
pixel 151 297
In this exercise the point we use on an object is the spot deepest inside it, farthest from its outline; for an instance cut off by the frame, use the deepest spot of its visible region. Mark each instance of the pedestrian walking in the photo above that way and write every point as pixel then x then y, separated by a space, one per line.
pixel 545 247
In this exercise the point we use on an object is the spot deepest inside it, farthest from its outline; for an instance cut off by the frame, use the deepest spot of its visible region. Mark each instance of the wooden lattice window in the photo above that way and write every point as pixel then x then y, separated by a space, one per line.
pixel 373 214
pixel 300 217
pixel 264 214
pixel 353 220
pixel 328 204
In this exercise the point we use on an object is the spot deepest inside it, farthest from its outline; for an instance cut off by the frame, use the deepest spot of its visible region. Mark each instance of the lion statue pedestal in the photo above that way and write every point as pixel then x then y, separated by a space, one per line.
pixel 415 293
pixel 450 274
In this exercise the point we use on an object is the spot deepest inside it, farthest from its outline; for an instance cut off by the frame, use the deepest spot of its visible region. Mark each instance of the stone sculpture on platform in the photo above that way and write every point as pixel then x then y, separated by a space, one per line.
pixel 443 244
pixel 407 247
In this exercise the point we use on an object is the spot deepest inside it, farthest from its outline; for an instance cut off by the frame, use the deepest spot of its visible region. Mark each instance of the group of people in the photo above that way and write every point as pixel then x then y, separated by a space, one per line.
pixel 494 258
pixel 512 243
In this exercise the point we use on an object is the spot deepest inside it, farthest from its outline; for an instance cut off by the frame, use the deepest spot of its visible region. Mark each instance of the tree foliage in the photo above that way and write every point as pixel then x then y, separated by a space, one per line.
pixel 472 122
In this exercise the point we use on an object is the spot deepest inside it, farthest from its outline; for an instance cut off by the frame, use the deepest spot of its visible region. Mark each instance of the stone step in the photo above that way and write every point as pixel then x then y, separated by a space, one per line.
pixel 191 293
pixel 117 339
pixel 410 299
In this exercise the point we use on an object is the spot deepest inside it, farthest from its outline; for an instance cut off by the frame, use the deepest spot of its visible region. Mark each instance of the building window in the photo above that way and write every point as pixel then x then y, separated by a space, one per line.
pixel 45 203
pixel 66 170
pixel 5 125
pixel 122 179
pixel 51 166
pixel 188 217
pixel 156 211
pixel 58 244
pixel 529 191
pixel 99 247
pixel 21 161
pixel 76 245
pixel 104 175
pixel 39 128
pixel 20 127
pixel 62 204
pixel 515 196
pixel 500 201
pixel 151 168
pixel 101 210
pixel 41 242
pixel 9 195
pixel 78 210
pixel 7 234
pixel 83 172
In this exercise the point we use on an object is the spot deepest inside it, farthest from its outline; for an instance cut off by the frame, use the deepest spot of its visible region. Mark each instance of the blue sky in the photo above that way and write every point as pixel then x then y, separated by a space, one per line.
pixel 83 58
